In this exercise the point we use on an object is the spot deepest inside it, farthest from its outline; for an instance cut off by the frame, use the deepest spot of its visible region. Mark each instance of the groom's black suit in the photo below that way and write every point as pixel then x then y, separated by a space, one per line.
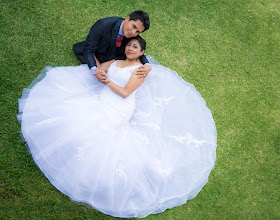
pixel 101 42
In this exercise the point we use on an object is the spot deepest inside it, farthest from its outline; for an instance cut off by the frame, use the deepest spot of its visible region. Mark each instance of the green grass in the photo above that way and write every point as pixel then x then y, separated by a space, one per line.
pixel 228 49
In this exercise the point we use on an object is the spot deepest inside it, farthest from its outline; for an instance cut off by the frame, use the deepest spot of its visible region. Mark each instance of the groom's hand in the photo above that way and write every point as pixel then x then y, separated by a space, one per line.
pixel 100 75
pixel 143 71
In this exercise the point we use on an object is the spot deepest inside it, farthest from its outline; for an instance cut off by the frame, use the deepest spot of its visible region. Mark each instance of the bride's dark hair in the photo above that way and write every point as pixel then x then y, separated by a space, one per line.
pixel 140 40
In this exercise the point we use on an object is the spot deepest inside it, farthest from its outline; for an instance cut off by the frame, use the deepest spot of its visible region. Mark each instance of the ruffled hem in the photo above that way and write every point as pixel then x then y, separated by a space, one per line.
pixel 158 160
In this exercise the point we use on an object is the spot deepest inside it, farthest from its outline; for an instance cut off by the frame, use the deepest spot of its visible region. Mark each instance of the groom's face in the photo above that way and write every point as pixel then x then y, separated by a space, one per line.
pixel 132 28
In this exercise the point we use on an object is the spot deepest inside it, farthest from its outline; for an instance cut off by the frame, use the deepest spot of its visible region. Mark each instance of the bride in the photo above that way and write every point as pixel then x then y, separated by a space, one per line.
pixel 129 147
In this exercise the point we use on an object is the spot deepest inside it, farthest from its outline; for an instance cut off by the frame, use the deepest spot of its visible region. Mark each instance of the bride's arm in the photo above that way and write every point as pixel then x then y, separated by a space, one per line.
pixel 105 66
pixel 133 83
pixel 100 72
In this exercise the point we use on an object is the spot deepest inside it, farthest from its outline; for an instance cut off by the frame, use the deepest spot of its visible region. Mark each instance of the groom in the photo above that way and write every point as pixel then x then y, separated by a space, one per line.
pixel 106 41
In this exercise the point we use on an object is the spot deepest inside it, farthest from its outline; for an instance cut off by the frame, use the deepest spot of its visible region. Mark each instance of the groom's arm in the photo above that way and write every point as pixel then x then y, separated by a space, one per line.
pixel 92 42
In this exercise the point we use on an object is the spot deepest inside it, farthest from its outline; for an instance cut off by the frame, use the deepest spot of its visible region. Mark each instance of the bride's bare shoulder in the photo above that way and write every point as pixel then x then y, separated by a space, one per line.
pixel 119 63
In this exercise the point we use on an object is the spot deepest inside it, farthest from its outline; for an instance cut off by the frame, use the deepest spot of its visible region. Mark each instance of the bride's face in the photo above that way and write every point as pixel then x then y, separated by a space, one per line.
pixel 132 28
pixel 133 50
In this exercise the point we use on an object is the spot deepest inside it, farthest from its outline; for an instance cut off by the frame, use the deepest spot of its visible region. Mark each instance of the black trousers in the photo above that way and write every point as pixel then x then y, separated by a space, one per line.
pixel 78 49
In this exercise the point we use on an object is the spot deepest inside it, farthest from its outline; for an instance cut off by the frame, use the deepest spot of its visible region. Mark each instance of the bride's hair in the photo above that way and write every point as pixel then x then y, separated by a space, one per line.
pixel 140 40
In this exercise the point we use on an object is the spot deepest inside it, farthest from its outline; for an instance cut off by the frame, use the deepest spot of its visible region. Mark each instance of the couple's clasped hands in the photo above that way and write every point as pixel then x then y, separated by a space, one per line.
pixel 141 72
pixel 101 76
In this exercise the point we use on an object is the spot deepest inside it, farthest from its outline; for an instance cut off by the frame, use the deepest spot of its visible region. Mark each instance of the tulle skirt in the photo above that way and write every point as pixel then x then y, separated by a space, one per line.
pixel 156 159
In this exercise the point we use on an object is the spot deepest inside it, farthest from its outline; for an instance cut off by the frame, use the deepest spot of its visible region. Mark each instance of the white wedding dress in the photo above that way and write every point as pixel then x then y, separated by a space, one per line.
pixel 126 157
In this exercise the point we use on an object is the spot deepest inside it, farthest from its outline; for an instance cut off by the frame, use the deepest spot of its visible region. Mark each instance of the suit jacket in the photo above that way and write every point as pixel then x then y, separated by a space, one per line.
pixel 101 41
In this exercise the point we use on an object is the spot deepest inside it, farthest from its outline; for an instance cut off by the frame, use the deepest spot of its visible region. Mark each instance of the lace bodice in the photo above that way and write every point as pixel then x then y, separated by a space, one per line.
pixel 120 76
pixel 117 105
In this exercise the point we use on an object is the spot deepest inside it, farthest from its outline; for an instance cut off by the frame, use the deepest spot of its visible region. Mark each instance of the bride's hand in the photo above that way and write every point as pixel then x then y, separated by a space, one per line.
pixel 100 75
pixel 107 81
pixel 143 71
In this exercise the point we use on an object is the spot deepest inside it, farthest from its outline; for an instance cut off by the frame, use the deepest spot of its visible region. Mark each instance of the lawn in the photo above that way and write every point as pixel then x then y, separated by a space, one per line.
pixel 229 50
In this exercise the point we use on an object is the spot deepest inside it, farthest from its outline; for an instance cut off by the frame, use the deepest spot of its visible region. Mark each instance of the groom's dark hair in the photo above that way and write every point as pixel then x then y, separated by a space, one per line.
pixel 142 16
